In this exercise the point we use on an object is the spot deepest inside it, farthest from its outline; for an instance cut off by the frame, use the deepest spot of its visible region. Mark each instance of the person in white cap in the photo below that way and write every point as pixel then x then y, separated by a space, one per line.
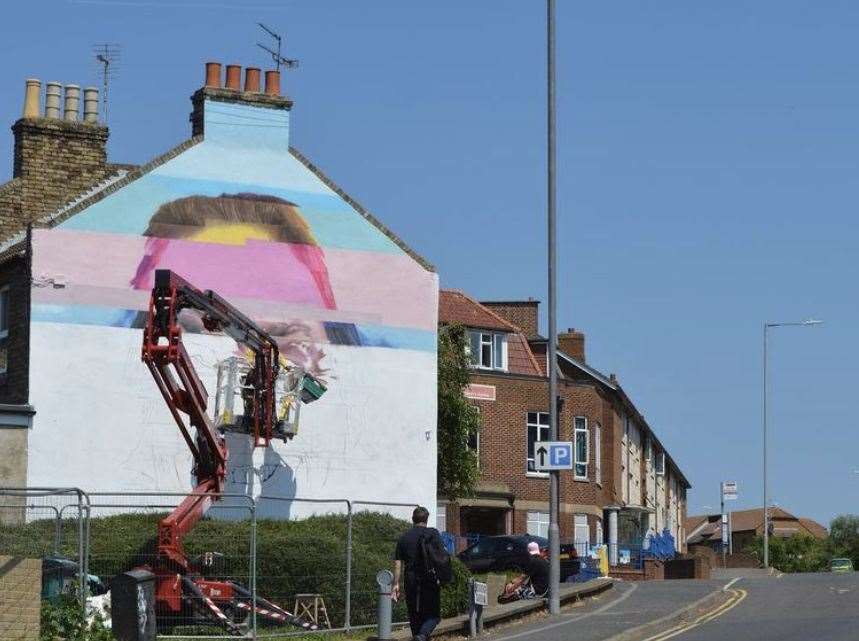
pixel 537 569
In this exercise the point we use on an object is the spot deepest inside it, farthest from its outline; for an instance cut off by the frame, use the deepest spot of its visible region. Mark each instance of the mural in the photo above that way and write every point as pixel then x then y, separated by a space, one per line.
pixel 238 214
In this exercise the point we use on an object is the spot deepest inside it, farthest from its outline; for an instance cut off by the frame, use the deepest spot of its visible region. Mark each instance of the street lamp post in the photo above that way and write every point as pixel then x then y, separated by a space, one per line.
pixel 767 326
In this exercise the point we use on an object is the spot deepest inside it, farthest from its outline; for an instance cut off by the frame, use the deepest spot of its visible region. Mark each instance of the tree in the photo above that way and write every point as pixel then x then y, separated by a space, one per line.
pixel 844 537
pixel 458 419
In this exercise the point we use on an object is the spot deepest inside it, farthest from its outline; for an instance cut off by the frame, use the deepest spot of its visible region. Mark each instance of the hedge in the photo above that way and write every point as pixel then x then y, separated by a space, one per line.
pixel 301 556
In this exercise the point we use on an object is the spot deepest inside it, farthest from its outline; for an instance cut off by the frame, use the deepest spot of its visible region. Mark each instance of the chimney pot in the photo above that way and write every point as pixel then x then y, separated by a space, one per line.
pixel 31 98
pixel 213 74
pixel 72 107
pixel 272 83
pixel 52 99
pixel 252 79
pixel 91 105
pixel 234 77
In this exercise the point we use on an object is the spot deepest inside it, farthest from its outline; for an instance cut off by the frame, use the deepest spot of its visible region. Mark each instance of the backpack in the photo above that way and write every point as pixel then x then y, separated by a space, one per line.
pixel 434 558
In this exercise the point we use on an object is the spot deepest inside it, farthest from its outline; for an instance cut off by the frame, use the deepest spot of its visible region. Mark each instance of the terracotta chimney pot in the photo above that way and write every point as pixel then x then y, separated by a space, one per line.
pixel 234 77
pixel 31 98
pixel 213 74
pixel 272 83
pixel 252 79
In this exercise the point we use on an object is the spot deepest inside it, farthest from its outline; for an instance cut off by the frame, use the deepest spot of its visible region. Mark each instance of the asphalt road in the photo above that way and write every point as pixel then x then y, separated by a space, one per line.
pixel 792 607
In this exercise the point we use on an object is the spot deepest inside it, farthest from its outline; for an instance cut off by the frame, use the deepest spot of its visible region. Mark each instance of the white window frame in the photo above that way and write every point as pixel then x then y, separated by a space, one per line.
pixel 578 526
pixel 577 429
pixel 538 524
pixel 441 517
pixel 660 464
pixel 598 453
pixel 4 320
pixel 529 456
pixel 497 343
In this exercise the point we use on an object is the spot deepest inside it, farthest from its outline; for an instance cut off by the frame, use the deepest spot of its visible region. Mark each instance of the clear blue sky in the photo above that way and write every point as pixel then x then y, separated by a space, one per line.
pixel 707 181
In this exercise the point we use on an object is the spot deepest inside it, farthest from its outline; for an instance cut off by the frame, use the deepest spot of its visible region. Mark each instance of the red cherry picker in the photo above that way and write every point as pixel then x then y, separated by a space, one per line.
pixel 271 393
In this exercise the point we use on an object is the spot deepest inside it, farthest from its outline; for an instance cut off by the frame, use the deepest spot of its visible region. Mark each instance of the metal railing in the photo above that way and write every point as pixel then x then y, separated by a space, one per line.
pixel 345 541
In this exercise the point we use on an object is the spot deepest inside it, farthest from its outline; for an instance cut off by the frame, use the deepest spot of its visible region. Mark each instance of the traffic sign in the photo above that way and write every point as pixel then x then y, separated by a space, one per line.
pixel 481 594
pixel 553 455
pixel 729 491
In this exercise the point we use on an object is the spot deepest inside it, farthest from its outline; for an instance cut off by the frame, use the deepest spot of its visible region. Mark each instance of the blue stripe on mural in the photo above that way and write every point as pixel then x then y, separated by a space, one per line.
pixel 338 333
pixel 128 211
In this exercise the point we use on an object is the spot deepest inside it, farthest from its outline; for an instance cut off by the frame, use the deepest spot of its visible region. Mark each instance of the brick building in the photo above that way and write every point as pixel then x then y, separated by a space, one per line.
pixel 746 525
pixel 624 482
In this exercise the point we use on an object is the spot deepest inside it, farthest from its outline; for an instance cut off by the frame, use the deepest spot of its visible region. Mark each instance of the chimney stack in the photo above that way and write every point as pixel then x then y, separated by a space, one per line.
pixel 572 343
pixel 234 77
pixel 91 105
pixel 32 108
pixel 272 83
pixel 213 74
pixel 72 103
pixel 252 80
pixel 52 99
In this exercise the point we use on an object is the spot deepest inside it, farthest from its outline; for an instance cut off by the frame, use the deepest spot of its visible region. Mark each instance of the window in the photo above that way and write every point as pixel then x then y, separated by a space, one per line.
pixel 4 328
pixel 538 430
pixel 581 447
pixel 660 463
pixel 441 517
pixel 598 454
pixel 538 523
pixel 488 350
pixel 581 532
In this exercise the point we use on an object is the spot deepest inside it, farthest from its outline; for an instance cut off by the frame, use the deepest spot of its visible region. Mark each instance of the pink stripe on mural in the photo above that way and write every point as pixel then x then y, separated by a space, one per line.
pixel 344 284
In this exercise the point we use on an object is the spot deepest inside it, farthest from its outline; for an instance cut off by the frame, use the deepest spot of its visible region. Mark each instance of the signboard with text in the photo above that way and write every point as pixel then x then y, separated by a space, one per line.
pixel 553 455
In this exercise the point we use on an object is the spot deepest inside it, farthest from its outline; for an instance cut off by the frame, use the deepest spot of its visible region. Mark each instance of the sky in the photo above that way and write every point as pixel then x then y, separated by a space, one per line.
pixel 707 182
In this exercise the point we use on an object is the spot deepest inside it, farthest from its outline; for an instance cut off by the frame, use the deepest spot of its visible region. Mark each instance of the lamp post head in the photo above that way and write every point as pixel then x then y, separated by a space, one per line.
pixel 812 321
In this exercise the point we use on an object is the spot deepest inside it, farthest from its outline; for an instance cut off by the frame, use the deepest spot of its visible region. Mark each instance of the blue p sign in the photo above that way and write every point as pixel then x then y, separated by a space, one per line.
pixel 561 455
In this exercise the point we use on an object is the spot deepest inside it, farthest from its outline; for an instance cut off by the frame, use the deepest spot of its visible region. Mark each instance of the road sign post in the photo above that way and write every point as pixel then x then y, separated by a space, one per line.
pixel 728 493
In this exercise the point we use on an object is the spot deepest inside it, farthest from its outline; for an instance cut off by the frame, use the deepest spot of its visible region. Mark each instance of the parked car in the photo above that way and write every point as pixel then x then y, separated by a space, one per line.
pixel 841 565
pixel 510 552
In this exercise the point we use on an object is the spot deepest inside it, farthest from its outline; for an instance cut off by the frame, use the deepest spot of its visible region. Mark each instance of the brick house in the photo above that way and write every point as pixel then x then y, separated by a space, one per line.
pixel 624 484
pixel 705 531
pixel 236 209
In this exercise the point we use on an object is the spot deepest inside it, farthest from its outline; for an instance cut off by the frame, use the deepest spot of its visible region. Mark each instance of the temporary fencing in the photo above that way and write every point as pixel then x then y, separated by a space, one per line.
pixel 322 566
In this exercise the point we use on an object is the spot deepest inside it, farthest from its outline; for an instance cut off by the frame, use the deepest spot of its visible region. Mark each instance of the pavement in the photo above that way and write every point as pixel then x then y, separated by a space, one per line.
pixel 626 606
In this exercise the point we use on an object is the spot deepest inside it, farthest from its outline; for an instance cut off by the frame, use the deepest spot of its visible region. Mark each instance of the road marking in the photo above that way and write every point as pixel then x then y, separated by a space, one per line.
pixel 570 619
pixel 733 601
pixel 730 583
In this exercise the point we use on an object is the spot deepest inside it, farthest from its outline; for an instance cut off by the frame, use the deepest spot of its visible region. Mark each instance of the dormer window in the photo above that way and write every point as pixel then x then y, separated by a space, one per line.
pixel 488 350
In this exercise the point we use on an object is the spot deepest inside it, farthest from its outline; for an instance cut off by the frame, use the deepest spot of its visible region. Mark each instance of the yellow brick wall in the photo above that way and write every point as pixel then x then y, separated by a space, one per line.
pixel 20 598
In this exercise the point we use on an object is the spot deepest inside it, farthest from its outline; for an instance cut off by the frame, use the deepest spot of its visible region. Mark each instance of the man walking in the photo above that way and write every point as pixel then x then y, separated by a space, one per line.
pixel 422 588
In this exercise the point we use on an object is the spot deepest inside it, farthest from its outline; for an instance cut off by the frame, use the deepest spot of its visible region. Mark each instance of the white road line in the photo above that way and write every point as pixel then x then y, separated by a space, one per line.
pixel 730 583
pixel 567 620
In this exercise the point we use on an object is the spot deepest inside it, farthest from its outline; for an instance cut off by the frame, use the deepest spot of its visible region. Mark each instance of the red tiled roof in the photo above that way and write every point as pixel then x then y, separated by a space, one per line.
pixel 814 528
pixel 457 307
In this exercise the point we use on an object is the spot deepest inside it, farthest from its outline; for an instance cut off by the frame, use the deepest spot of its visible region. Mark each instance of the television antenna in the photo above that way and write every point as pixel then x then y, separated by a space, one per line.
pixel 107 56
pixel 275 55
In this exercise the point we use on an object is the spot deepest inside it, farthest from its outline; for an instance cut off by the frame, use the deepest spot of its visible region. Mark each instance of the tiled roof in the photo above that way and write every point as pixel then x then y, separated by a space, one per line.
pixel 814 528
pixel 457 307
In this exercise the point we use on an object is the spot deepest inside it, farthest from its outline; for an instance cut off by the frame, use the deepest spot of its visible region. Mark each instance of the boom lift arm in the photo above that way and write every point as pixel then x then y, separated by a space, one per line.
pixel 187 399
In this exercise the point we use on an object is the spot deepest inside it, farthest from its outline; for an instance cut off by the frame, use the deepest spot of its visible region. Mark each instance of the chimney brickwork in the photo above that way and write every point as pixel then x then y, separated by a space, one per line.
pixel 572 343
pixel 522 313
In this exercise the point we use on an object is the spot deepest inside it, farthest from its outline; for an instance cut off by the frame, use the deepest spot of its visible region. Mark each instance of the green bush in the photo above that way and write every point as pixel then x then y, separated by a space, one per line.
pixel 65 619
pixel 303 556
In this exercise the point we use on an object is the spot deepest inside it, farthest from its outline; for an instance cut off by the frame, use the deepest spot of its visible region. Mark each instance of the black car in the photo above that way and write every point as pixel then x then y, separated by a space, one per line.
pixel 510 552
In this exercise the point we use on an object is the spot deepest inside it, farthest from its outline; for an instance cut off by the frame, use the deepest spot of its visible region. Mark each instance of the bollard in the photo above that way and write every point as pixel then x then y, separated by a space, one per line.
pixel 477 600
pixel 385 579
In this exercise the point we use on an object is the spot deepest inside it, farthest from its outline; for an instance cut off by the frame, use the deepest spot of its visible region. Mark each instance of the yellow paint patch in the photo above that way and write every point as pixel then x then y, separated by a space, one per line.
pixel 232 233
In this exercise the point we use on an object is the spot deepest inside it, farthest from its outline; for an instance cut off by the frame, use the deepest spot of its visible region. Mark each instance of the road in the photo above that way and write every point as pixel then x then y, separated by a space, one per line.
pixel 792 607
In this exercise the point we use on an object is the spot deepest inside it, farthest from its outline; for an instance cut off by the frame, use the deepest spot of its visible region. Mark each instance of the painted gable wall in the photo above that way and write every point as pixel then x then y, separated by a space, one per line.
pixel 239 214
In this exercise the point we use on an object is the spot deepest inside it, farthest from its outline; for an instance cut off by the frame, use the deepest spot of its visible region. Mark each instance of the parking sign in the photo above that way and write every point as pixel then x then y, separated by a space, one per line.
pixel 553 455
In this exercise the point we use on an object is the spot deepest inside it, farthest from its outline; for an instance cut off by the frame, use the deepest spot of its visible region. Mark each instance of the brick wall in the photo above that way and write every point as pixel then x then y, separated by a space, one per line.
pixel 523 314
pixel 54 161
pixel 20 598
pixel 14 384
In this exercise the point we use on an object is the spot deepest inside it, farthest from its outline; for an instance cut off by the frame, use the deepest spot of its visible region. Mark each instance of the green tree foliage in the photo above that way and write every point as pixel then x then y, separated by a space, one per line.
pixel 844 537
pixel 799 553
pixel 457 418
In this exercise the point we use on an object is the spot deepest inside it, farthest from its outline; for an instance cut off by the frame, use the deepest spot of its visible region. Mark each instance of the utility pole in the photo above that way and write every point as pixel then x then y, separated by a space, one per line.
pixel 554 475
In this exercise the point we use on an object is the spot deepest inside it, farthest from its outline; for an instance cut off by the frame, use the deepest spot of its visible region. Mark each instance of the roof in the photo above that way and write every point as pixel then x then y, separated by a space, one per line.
pixel 814 528
pixel 457 307
pixel 784 524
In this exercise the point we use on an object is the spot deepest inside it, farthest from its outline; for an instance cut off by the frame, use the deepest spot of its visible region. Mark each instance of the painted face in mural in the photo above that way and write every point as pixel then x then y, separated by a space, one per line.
pixel 244 246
